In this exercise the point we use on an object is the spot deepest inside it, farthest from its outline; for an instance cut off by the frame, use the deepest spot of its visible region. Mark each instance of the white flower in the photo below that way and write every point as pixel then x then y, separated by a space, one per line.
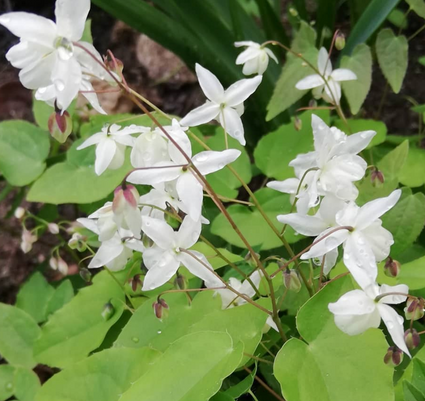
pixel 332 90
pixel 171 251
pixel 314 225
pixel 27 240
pixel 46 54
pixel 115 252
pixel 188 188
pixel 365 245
pixel 225 106
pixel 335 162
pixel 101 222
pixel 255 58
pixel 357 310
pixel 110 146
pixel 149 148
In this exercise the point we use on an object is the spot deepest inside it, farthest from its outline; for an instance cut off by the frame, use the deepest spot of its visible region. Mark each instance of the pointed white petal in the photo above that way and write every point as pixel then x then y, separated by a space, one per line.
pixel 246 55
pixel 231 121
pixel 164 268
pixel 330 261
pixel 107 252
pixel 375 209
pixel 393 299
pixel 288 186
pixel 25 53
pixel 379 239
pixel 92 140
pixel 272 55
pixel 324 246
pixel 188 233
pixel 161 172
pixel 105 152
pixel 394 323
pixel 191 194
pixel 38 75
pixel 183 141
pixel 71 16
pixel 332 92
pixel 67 78
pixel 357 324
pixel 310 82
pixel 304 224
pixel 30 27
pixel 357 142
pixel 201 115
pixel 89 224
pixel 159 232
pixel 250 43
pixel 241 90
pixel 343 74
pixel 246 287
pixel 324 65
pixel 355 302
pixel 91 96
pixel 210 85
pixel 210 161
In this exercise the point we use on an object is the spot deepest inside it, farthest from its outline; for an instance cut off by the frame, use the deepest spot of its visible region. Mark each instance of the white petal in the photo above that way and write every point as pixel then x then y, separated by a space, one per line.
pixel 357 142
pixel 393 299
pixel 201 115
pixel 343 74
pixel 324 65
pixel 105 152
pixel 330 261
pixel 355 302
pixel 91 96
pixel 252 67
pixel 210 161
pixel 119 157
pixel 331 242
pixel 183 141
pixel 38 75
pixel 190 192
pixel 310 82
pixel 357 324
pixel 246 55
pixel 30 27
pixel 394 323
pixel 107 252
pixel 199 266
pixel 93 140
pixel 272 55
pixel 360 260
pixel 304 224
pixel 332 91
pixel 159 232
pixel 329 207
pixel 210 85
pixel 67 78
pixel 71 16
pixel 89 224
pixel 375 209
pixel 188 233
pixel 288 186
pixel 246 287
pixel 231 121
pixel 241 90
pixel 379 239
pixel 149 149
pixel 249 43
pixel 161 172
pixel 157 275
pixel 25 53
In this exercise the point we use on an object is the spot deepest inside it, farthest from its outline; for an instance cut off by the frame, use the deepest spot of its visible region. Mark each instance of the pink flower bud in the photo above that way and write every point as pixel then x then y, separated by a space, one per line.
pixel 414 309
pixel 60 125
pixel 298 124
pixel 180 282
pixel 27 240
pixel 114 65
pixel 412 338
pixel 160 308
pixel 377 176
pixel 391 267
pixel 394 356
pixel 53 228
pixel 125 208
pixel 135 282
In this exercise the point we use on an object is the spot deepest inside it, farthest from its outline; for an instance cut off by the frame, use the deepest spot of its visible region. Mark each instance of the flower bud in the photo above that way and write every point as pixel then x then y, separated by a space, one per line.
pixel 27 240
pixel 108 311
pixel 78 242
pixel 180 282
pixel 394 356
pixel 312 104
pixel 135 282
pixel 53 228
pixel 160 308
pixel 115 65
pixel 125 208
pixel 414 309
pixel 391 267
pixel 53 263
pixel 147 242
pixel 340 41
pixel 19 212
pixel 59 264
pixel 293 11
pixel 291 280
pixel 377 176
pixel 60 125
pixel 298 124
pixel 250 260
pixel 412 338
pixel 85 275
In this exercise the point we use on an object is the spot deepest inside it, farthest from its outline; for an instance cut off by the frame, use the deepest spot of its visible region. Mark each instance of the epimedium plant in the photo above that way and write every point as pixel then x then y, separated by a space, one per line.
pixel 196 283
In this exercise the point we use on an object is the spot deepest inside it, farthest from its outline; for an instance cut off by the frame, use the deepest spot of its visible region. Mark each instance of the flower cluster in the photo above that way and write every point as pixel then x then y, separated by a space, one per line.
pixel 325 195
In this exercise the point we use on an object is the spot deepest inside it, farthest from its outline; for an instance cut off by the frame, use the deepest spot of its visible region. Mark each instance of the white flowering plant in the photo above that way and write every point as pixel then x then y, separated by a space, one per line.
pixel 233 252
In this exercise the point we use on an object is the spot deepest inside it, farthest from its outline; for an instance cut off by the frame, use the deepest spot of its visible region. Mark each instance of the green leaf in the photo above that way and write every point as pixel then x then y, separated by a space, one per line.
pixel 23 150
pixel 75 181
pixel 34 296
pixel 199 361
pixel 18 332
pixel 274 151
pixel 392 53
pixel 365 125
pixel 87 36
pixel 413 274
pixel 412 172
pixel 27 384
pixel 111 373
pixel 411 393
pixel 418 377
pixel 370 20
pixel 62 295
pixel 7 373
pixel 243 386
pixel 360 62
pixel 215 261
pixel 285 94
pixel 331 363
pixel 397 18
pixel 252 224
pixel 42 111
pixel 78 328
pixel 220 396
pixel 405 220
pixel 418 6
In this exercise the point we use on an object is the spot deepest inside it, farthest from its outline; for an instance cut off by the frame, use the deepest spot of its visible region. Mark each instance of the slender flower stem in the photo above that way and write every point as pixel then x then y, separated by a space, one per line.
pixel 258 359
pixel 121 286
pixel 379 297
pixel 349 228
pixel 416 33
pixel 322 266
pixel 266 386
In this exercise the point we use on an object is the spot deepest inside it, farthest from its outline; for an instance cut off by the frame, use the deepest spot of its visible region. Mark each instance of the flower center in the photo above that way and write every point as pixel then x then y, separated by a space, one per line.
pixel 65 48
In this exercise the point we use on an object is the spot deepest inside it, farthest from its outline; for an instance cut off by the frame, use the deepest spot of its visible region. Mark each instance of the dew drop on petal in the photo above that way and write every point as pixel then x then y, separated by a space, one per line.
pixel 59 84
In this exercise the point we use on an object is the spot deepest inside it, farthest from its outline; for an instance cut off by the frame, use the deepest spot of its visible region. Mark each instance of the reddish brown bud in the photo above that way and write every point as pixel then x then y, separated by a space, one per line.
pixel 298 124
pixel 180 282
pixel 114 65
pixel 392 267
pixel 377 176
pixel 60 125
pixel 135 282
pixel 412 338
pixel 394 356
pixel 291 280
pixel 160 308
pixel 414 309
